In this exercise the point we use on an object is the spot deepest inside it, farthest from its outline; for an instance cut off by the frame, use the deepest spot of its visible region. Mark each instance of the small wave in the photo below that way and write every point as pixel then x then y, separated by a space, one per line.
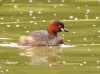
pixel 11 63
pixel 5 38
pixel 9 45
pixel 17 46
pixel 66 46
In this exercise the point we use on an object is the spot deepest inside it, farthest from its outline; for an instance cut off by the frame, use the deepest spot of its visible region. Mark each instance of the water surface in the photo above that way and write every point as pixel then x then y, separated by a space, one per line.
pixel 79 55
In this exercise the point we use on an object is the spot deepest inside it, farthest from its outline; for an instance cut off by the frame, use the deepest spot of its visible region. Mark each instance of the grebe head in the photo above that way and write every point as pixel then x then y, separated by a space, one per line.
pixel 56 26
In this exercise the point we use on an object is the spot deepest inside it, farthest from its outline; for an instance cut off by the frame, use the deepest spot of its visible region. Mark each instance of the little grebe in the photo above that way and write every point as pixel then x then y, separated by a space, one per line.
pixel 43 37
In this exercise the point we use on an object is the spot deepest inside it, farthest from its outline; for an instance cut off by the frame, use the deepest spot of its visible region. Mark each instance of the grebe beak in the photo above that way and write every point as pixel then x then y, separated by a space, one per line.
pixel 64 29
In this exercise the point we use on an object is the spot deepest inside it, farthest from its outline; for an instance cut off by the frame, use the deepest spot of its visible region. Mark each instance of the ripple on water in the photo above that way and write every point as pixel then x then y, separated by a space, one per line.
pixel 48 55
pixel 13 63
pixel 4 38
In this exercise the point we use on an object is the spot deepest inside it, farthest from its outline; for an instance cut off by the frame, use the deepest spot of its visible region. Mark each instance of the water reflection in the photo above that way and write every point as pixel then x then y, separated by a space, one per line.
pixel 43 55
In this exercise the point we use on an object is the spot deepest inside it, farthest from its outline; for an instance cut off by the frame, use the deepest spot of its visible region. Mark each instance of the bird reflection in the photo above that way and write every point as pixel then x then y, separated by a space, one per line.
pixel 43 55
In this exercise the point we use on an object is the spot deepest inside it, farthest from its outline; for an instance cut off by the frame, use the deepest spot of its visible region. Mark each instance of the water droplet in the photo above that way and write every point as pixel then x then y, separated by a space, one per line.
pixel 94 25
pixel 99 31
pixel 34 17
pixel 49 1
pixel 71 17
pixel 22 54
pixel 18 20
pixel 63 35
pixel 50 47
pixel 98 61
pixel 13 0
pixel 2 18
pixel 99 0
pixel 39 12
pixel 76 19
pixel 30 1
pixel 54 14
pixel 55 6
pixel 1 71
pixel 98 67
pixel 27 31
pixel 68 40
pixel 63 1
pixel 84 38
pixel 6 60
pixel 97 17
pixel 86 16
pixel 8 25
pixel 17 25
pixel 78 7
pixel 31 21
pixel 11 63
pixel 35 23
pixel 87 10
pixel 64 62
pixel 89 49
pixel 50 64
pixel 64 20
pixel 84 62
pixel 81 64
pixel 26 62
pixel 61 4
pixel 74 32
pixel 1 22
pixel 43 20
pixel 30 12
pixel 7 70
pixel 15 6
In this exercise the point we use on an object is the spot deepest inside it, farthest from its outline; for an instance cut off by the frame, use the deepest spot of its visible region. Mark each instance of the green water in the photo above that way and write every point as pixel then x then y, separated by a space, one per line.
pixel 17 18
